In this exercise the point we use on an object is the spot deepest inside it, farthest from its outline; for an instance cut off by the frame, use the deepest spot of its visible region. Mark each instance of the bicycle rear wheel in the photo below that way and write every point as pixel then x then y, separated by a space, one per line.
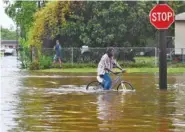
pixel 94 85
pixel 125 86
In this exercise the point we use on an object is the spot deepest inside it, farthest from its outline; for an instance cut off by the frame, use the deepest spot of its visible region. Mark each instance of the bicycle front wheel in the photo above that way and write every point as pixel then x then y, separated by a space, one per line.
pixel 125 86
pixel 95 85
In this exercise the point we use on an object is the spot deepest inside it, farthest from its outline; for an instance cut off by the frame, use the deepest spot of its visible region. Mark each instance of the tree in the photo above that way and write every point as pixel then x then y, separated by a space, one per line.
pixel 92 23
pixel 48 22
pixel 99 24
pixel 7 34
pixel 114 23
pixel 22 13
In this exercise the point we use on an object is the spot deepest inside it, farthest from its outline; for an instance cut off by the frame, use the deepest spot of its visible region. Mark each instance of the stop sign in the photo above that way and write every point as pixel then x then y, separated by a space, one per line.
pixel 161 16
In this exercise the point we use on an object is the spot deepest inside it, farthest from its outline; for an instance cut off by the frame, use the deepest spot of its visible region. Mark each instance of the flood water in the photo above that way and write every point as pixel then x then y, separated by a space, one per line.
pixel 50 102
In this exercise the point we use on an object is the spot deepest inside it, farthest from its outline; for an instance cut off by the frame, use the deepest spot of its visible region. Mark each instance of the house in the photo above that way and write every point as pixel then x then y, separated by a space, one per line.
pixel 8 47
pixel 12 44
pixel 180 33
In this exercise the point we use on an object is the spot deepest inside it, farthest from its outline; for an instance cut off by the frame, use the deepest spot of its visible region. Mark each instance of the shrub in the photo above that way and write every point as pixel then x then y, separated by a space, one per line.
pixel 94 65
pixel 76 65
pixel 137 64
pixel 45 62
pixel 25 58
pixel 34 66
pixel 171 64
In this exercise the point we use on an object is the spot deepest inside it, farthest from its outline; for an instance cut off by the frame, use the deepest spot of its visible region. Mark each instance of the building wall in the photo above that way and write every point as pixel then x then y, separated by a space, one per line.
pixel 8 46
pixel 179 36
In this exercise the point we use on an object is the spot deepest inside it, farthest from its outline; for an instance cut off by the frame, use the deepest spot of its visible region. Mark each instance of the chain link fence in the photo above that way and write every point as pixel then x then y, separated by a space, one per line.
pixel 145 55
pixel 127 57
pixel 93 55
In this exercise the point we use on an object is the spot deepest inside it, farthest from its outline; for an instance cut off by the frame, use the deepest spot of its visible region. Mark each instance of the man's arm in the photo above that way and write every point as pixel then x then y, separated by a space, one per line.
pixel 109 70
pixel 118 66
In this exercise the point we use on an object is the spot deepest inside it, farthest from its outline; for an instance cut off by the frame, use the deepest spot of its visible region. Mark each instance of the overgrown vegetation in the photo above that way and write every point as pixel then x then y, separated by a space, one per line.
pixel 92 23
pixel 44 62
pixel 7 34
pixel 48 22
pixel 25 57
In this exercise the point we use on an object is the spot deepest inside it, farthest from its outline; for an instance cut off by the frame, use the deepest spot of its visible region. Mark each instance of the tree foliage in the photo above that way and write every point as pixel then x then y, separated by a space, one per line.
pixel 7 34
pixel 99 24
pixel 92 23
pixel 48 22
pixel 22 13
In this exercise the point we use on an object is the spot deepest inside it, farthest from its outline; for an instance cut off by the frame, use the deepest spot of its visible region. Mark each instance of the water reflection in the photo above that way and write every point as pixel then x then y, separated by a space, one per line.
pixel 47 112
pixel 50 102
pixel 165 111
pixel 109 110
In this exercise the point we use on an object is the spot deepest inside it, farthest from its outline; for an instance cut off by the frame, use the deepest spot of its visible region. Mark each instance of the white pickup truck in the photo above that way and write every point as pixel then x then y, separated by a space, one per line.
pixel 9 51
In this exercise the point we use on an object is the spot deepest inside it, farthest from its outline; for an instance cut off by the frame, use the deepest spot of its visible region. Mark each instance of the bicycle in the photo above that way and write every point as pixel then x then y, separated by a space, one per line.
pixel 124 85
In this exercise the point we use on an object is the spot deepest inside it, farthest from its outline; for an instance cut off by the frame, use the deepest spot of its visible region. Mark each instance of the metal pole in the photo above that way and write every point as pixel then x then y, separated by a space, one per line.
pixel 17 37
pixel 183 56
pixel 155 56
pixel 162 58
pixel 39 4
pixel 31 52
pixel 72 56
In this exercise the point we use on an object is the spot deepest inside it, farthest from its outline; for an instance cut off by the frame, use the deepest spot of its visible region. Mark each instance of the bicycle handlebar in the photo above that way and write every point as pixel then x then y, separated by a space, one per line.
pixel 117 73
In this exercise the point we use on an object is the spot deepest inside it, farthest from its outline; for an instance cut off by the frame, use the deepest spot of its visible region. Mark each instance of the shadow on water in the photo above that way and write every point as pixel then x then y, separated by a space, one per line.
pixel 60 102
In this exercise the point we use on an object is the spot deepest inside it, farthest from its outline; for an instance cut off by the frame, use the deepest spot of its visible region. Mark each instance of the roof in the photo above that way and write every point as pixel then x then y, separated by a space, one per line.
pixel 180 16
pixel 9 41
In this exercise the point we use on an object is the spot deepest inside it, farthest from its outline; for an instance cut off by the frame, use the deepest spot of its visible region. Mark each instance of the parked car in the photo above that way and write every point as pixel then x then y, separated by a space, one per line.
pixel 9 51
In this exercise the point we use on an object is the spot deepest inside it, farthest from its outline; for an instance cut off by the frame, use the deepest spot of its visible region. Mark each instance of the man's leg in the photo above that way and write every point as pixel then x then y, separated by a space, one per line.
pixel 54 59
pixel 107 81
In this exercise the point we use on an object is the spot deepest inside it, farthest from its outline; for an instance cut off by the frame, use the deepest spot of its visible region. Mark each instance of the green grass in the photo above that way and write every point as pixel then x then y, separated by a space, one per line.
pixel 142 65
pixel 145 59
pixel 75 70
pixel 129 70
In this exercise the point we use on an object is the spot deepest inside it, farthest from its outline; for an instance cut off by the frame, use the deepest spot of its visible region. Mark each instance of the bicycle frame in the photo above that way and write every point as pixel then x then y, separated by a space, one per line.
pixel 115 81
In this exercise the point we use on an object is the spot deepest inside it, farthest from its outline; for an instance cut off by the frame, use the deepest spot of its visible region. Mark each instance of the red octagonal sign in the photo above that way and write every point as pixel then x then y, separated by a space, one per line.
pixel 162 16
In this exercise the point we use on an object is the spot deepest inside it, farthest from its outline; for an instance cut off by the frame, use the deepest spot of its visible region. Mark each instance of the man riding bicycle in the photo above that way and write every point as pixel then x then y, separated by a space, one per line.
pixel 105 67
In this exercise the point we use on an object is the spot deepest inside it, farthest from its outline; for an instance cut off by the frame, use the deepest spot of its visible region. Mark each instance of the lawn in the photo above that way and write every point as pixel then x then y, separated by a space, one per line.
pixel 145 59
pixel 129 70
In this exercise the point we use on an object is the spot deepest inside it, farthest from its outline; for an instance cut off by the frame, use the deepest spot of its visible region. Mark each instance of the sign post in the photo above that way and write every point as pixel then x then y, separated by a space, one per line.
pixel 161 17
